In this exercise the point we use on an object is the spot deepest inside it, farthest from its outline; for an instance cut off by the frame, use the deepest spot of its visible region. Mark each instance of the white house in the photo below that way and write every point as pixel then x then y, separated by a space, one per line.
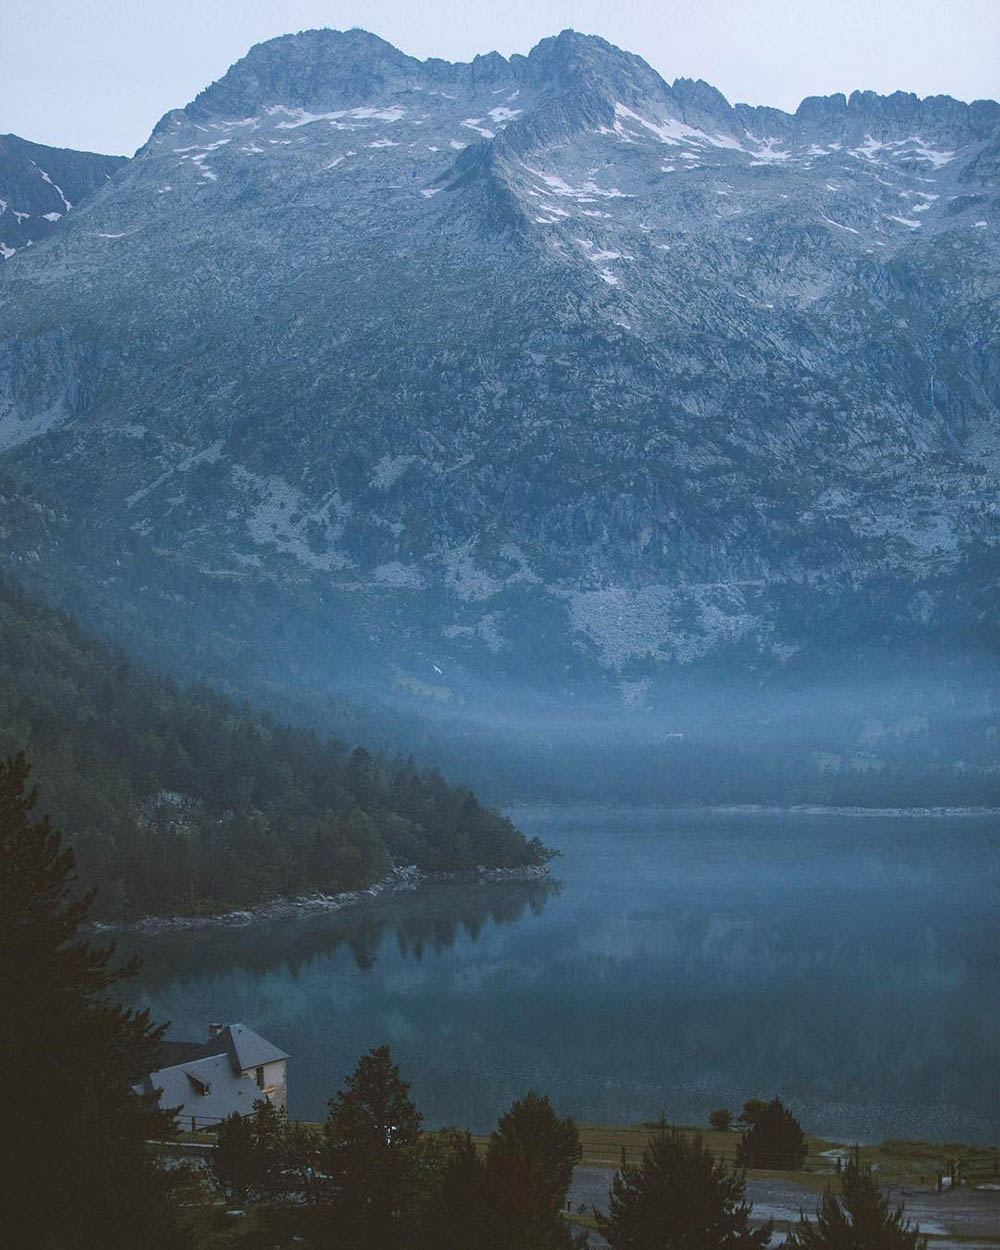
pixel 206 1081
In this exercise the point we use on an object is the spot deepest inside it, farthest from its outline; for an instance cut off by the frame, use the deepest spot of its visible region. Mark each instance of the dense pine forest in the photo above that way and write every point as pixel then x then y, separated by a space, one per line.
pixel 177 799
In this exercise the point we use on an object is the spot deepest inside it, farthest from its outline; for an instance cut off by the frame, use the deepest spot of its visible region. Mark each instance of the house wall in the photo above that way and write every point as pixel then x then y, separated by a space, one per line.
pixel 274 1088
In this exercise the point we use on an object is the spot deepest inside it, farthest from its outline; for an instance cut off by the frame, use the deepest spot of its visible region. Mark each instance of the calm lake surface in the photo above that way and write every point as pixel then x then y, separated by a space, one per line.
pixel 676 963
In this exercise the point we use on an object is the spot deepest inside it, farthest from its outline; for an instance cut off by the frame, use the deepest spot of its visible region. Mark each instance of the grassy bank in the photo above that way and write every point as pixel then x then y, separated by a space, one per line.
pixel 897 1162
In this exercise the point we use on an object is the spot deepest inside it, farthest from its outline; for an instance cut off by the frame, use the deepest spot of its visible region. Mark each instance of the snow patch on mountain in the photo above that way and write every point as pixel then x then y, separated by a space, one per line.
pixel 673 131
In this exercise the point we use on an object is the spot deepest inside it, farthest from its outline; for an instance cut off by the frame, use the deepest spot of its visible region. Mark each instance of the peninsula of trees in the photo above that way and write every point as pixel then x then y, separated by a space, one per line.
pixel 179 800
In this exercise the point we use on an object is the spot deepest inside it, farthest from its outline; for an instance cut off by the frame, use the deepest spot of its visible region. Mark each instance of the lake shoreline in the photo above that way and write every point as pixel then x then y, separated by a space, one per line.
pixel 758 809
pixel 684 964
pixel 395 881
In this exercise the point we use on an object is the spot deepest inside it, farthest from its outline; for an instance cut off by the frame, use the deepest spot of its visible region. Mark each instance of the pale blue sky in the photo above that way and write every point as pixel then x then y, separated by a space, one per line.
pixel 98 74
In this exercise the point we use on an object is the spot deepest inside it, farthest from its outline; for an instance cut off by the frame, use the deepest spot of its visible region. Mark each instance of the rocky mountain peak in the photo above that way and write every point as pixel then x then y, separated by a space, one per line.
pixel 570 60
pixel 823 109
pixel 317 70
pixel 576 83
pixel 895 117
pixel 573 363
pixel 939 117
pixel 700 104
pixel 312 69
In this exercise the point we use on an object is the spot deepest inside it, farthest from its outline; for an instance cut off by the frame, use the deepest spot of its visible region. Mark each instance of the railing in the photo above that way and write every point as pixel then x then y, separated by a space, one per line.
pixel 977 1170
pixel 196 1123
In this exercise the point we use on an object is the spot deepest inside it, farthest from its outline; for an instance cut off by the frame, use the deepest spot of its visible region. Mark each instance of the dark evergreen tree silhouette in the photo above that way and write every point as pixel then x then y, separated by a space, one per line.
pixel 861 1218
pixel 679 1197
pixel 234 1159
pixel 252 1159
pixel 369 1156
pixel 529 1165
pixel 773 1139
pixel 76 1167
pixel 454 1213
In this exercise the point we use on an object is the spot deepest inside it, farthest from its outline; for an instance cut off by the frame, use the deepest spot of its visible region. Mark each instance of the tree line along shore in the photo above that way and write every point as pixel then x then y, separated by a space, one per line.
pixel 178 800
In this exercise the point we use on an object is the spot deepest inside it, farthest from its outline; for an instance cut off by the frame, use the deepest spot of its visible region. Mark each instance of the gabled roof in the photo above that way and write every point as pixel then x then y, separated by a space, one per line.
pixel 208 1089
pixel 246 1048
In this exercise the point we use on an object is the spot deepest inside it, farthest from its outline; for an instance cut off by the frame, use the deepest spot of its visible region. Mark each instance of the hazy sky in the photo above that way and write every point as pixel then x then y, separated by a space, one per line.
pixel 98 74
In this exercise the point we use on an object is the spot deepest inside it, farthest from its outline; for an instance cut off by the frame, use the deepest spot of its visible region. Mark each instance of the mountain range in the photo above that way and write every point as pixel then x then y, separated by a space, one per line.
pixel 448 383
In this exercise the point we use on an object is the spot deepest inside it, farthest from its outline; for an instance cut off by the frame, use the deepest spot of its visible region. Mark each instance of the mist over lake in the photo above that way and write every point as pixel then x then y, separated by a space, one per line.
pixel 675 963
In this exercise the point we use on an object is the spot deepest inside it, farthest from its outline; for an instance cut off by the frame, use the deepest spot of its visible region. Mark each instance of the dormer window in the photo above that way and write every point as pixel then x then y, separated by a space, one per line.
pixel 201 1087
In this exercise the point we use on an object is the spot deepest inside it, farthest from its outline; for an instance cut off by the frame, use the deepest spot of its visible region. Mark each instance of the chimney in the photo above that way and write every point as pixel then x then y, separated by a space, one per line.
pixel 214 1030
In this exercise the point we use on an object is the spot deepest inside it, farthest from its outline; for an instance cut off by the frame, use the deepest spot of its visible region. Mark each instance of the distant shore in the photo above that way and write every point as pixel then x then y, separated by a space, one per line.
pixel 818 809
pixel 753 809
pixel 396 880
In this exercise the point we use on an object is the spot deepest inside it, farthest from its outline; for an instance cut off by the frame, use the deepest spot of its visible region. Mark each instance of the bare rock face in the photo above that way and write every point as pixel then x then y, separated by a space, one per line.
pixel 537 367
pixel 40 185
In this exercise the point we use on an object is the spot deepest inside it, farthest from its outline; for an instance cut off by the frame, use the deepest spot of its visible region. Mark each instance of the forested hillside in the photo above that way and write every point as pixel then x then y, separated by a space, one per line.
pixel 178 799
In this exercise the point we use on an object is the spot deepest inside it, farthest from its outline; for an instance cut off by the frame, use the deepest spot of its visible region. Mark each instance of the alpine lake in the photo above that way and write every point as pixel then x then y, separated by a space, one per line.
pixel 674 962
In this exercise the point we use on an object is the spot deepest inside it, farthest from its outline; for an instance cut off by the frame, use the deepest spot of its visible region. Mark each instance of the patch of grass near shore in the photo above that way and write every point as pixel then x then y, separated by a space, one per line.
pixel 895 1161
pixel 921 1163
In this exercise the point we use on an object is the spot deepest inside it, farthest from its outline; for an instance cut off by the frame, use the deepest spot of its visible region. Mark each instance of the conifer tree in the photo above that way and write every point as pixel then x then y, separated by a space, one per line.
pixel 454 1215
pixel 77 1168
pixel 529 1165
pixel 860 1219
pixel 774 1137
pixel 234 1159
pixel 369 1155
pixel 679 1197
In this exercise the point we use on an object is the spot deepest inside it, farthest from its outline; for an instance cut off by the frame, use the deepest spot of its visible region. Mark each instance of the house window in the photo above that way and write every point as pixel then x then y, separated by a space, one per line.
pixel 259 1074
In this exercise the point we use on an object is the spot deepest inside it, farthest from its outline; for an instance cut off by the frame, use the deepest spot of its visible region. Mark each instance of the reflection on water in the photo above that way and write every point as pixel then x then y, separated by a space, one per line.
pixel 428 919
pixel 688 962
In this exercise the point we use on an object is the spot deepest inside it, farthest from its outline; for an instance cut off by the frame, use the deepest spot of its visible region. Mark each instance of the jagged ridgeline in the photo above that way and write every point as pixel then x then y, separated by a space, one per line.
pixel 525 384
pixel 39 185
pixel 178 799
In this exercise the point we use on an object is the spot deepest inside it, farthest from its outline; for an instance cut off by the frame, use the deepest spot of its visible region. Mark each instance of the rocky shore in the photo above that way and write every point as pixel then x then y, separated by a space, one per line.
pixel 409 877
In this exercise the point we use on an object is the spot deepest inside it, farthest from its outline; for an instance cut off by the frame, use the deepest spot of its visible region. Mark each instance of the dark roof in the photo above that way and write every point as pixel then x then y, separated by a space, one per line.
pixel 207 1089
pixel 244 1048
pixel 248 1049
